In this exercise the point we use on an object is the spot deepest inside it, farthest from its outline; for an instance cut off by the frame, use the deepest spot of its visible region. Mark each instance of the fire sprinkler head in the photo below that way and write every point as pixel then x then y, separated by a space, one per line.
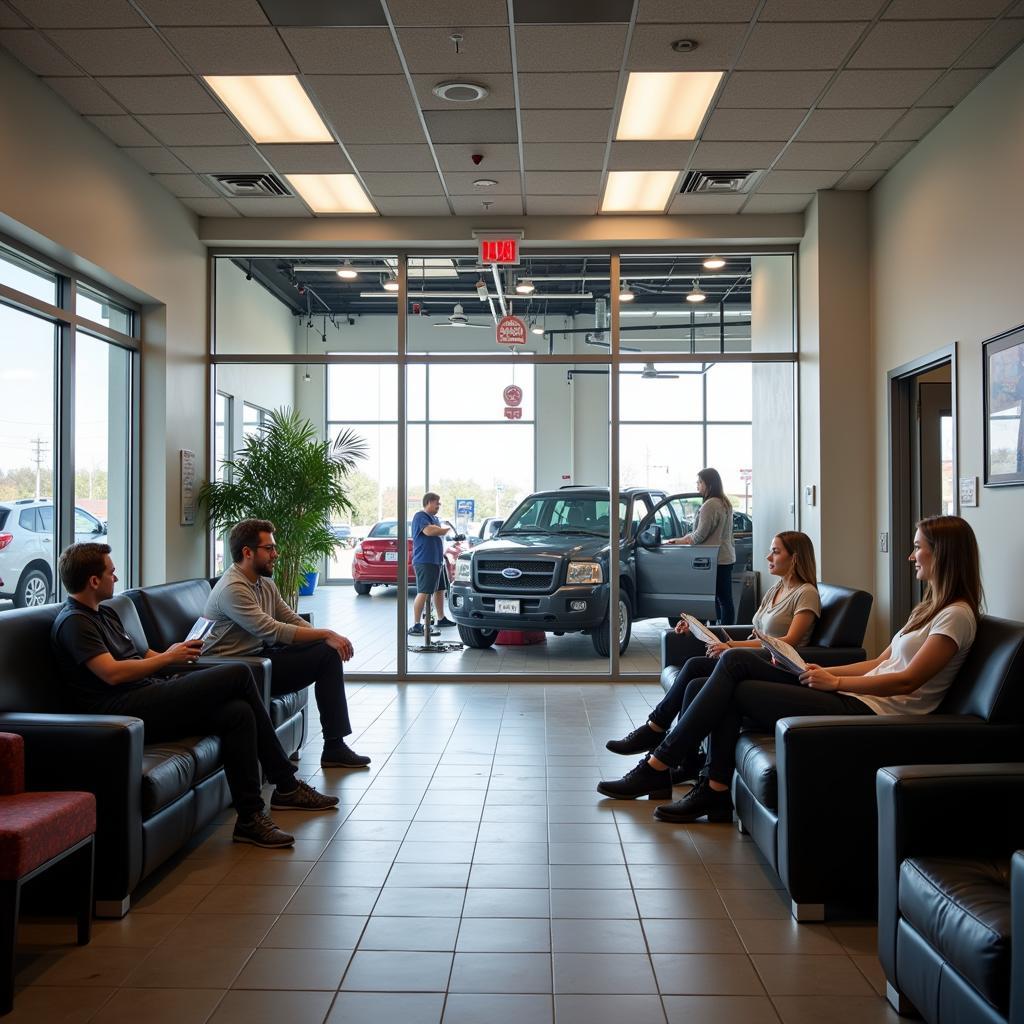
pixel 477 158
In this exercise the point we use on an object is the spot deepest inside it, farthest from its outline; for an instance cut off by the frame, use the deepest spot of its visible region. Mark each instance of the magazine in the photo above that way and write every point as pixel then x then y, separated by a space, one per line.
pixel 784 656
pixel 705 634
pixel 200 630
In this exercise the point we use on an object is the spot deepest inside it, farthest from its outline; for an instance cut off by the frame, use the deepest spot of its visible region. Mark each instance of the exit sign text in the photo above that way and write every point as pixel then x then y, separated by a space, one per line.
pixel 499 250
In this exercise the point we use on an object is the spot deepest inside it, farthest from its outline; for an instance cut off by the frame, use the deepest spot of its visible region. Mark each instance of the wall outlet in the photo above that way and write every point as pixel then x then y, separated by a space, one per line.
pixel 883 542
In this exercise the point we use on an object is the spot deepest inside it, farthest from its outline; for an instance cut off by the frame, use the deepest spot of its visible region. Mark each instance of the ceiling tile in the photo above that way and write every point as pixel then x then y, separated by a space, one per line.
pixel 859 181
pixel 900 10
pixel 343 51
pixel 649 156
pixel 694 204
pixel 36 52
pixel 413 206
pixel 651 47
pixel 848 125
pixel 734 156
pixel 544 12
pixel 185 186
pixel 570 47
pixel 307 158
pixel 193 129
pixel 155 159
pixel 988 51
pixel 772 89
pixel 202 12
pixel 822 156
pixel 501 93
pixel 471 125
pixel 736 125
pixel 461 184
pixel 232 51
pixel 11 19
pixel 79 13
pixel 403 183
pixel 884 156
pixel 328 13
pixel 444 13
pixel 283 207
pixel 500 206
pixel 496 157
pixel 221 159
pixel 122 130
pixel 778 204
pixel 889 88
pixel 118 51
pixel 794 45
pixel 385 158
pixel 369 108
pixel 84 95
pixel 553 156
pixel 431 51
pixel 570 92
pixel 797 181
pixel 566 126
pixel 953 87
pixel 176 94
pixel 815 10
pixel 211 207
pixel 916 123
pixel 689 11
pixel 915 44
pixel 563 183
pixel 561 206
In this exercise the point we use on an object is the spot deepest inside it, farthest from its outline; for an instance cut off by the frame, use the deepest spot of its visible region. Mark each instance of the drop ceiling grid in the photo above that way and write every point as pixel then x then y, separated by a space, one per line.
pixel 810 96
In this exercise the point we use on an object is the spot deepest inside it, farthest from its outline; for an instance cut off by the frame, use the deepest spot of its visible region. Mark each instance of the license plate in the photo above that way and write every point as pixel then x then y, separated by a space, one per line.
pixel 506 607
pixel 390 556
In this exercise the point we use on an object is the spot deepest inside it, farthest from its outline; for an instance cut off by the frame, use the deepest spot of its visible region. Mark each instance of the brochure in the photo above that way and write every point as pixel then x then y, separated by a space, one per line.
pixel 784 656
pixel 702 632
pixel 200 630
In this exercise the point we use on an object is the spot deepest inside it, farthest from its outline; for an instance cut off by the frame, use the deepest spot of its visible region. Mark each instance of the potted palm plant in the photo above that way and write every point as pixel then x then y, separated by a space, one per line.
pixel 287 474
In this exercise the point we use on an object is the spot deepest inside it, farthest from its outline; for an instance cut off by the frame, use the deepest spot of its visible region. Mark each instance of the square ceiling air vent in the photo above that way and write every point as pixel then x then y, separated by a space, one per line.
pixel 718 182
pixel 240 186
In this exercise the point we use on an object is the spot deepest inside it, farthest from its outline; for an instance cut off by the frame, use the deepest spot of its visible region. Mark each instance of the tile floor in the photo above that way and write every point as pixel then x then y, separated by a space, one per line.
pixel 473 875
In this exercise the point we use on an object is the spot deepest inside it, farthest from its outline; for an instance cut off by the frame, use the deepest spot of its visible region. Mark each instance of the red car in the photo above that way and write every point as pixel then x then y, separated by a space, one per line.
pixel 375 558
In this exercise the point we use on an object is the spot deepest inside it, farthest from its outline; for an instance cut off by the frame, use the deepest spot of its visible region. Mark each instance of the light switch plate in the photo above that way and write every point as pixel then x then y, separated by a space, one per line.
pixel 883 542
pixel 810 494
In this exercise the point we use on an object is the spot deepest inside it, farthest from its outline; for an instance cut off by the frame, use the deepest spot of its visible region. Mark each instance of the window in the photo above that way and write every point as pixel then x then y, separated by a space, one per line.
pixel 26 276
pixel 94 306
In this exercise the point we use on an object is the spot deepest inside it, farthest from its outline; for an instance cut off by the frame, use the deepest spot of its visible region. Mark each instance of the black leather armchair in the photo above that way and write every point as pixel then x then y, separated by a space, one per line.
pixel 807 794
pixel 951 890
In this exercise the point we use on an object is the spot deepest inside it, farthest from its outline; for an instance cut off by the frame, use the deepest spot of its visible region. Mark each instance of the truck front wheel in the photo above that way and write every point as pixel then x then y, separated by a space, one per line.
pixel 600 635
pixel 479 638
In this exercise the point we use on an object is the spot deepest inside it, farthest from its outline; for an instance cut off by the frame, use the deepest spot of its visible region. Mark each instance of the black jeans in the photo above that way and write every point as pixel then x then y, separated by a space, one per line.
pixel 723 596
pixel 296 666
pixel 744 685
pixel 222 701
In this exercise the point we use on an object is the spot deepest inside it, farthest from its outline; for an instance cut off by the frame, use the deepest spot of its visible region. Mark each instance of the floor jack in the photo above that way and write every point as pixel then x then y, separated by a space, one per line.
pixel 441 646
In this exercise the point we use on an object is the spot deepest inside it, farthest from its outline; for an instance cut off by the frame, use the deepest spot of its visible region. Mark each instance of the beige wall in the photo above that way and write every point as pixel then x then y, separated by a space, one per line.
pixel 947 225
pixel 64 186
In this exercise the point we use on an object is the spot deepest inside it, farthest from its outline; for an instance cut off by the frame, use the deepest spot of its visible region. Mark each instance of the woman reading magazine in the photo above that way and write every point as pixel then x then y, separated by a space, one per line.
pixel 910 676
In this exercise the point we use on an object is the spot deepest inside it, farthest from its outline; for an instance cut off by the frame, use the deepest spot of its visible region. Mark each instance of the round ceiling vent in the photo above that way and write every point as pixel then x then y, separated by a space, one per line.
pixel 460 92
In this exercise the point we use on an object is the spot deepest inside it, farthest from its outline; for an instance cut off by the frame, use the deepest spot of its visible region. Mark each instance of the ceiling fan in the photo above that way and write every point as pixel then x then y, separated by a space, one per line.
pixel 650 373
pixel 460 320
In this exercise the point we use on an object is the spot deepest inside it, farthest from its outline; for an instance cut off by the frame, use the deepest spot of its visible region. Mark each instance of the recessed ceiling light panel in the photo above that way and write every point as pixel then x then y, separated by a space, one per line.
pixel 666 105
pixel 638 191
pixel 271 108
pixel 332 193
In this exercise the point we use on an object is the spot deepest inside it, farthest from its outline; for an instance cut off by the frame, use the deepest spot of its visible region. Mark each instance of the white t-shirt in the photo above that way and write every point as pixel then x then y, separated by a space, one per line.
pixel 956 621
pixel 774 617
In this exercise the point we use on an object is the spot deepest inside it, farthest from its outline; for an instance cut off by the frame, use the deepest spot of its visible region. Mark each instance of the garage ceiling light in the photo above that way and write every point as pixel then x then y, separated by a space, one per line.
pixel 666 105
pixel 695 294
pixel 638 191
pixel 271 108
pixel 332 193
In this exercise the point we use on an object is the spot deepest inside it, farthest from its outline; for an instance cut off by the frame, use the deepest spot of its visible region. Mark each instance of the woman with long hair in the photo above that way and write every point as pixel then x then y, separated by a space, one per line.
pixel 714 526
pixel 910 676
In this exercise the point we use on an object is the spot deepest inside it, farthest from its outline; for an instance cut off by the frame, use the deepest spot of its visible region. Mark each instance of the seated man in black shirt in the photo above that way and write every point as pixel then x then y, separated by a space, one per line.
pixel 106 675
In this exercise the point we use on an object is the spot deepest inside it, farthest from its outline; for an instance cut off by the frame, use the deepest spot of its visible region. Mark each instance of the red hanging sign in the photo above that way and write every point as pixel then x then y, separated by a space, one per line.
pixel 513 395
pixel 511 330
pixel 513 413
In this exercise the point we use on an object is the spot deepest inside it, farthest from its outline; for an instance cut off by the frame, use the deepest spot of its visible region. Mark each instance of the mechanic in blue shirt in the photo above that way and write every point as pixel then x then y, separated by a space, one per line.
pixel 428 561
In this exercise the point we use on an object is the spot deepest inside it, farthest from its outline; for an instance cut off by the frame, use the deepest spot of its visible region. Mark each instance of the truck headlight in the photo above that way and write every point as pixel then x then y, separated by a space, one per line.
pixel 584 572
pixel 462 571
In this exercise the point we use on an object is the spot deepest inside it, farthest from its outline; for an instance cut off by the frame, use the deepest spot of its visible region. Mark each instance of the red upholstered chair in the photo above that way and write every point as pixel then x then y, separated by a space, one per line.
pixel 36 831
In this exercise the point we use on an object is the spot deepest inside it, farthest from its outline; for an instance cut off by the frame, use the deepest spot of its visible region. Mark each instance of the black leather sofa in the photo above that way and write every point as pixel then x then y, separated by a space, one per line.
pixel 951 891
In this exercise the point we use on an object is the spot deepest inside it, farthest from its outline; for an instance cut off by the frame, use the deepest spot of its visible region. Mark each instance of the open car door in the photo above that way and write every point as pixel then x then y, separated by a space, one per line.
pixel 674 577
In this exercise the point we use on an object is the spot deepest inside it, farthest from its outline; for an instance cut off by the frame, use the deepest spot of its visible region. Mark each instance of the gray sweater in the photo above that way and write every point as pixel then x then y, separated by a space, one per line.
pixel 714 526
pixel 247 616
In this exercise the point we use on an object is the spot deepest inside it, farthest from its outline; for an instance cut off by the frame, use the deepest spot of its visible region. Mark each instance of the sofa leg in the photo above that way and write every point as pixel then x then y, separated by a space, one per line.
pixel 113 908
pixel 10 895
pixel 83 897
pixel 899 1002
pixel 807 911
pixel 741 828
pixel 294 756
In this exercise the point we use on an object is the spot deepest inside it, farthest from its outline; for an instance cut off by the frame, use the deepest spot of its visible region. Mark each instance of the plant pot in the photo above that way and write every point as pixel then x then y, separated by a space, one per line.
pixel 309 586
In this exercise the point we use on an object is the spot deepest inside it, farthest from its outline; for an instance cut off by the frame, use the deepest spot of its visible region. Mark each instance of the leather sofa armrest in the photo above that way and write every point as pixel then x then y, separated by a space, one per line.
pixel 1017 948
pixel 308 616
pixel 828 656
pixel 676 648
pixel 826 775
pixel 914 804
pixel 260 667
pixel 99 754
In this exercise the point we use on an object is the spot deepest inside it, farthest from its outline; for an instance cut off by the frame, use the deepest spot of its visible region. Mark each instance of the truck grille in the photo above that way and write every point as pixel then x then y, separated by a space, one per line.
pixel 538 576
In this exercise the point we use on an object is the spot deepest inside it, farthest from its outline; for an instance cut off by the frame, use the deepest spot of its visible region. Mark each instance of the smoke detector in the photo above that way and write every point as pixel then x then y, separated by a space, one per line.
pixel 460 92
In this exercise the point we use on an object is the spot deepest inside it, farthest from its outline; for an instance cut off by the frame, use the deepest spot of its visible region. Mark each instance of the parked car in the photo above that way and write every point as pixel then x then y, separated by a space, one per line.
pixel 375 557
pixel 343 533
pixel 548 567
pixel 26 548
pixel 487 529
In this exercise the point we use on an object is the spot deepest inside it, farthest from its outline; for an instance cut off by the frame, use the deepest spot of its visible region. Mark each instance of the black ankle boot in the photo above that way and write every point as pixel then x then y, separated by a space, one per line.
pixel 639 741
pixel 689 770
pixel 643 780
pixel 701 802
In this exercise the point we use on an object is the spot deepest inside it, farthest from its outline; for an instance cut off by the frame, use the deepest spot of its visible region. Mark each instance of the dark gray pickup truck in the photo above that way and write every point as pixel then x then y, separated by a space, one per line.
pixel 548 567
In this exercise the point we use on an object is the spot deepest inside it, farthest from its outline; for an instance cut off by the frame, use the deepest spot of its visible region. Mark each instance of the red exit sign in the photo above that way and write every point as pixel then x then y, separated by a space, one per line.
pixel 499 250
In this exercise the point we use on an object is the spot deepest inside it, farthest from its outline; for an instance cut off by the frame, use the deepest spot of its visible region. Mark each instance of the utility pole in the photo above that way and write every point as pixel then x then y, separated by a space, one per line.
pixel 40 447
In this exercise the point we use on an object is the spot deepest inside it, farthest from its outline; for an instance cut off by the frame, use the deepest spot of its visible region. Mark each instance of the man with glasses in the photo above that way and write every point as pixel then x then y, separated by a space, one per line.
pixel 251 618
pixel 428 561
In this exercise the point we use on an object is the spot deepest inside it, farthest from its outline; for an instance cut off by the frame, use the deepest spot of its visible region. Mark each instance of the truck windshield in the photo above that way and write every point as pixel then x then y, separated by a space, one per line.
pixel 563 514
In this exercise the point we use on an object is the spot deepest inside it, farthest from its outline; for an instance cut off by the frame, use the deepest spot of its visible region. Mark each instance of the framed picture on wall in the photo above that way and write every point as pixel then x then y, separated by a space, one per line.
pixel 1003 359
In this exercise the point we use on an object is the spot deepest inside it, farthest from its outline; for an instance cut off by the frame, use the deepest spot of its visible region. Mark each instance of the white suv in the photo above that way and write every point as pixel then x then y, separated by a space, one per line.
pixel 26 548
